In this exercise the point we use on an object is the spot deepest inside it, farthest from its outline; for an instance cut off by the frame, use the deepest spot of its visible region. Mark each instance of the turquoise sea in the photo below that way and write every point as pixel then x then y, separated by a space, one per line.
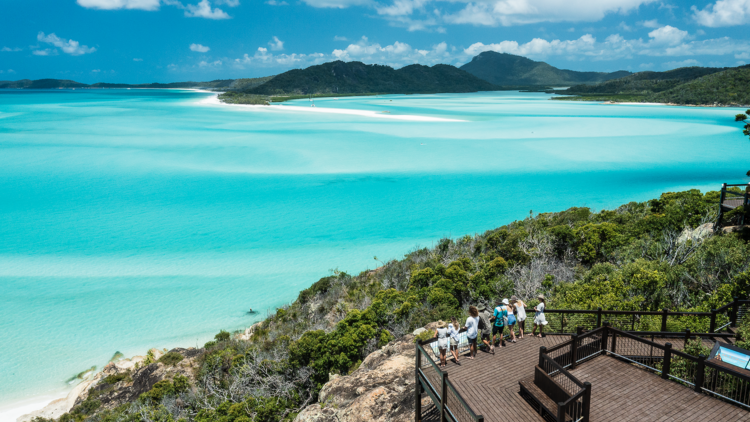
pixel 132 219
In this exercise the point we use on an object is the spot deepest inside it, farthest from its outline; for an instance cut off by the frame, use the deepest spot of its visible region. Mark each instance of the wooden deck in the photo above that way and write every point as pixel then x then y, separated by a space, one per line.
pixel 490 386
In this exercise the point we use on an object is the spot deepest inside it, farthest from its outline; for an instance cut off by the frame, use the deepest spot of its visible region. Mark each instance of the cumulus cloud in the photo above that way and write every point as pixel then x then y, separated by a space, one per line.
pixel 204 10
pixel 277 3
pixel 667 35
pixel 199 48
pixel 396 55
pixel 7 49
pixel 536 47
pixel 45 52
pixel 338 38
pixel 682 63
pixel 337 4
pixel 276 44
pixel 120 4
pixel 204 63
pixel 653 23
pixel 230 3
pixel 72 47
pixel 723 13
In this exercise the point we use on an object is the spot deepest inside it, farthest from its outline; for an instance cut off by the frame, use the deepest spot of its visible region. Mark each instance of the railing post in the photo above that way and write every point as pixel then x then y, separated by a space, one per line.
pixel 598 317
pixel 687 337
pixel 573 350
pixel 664 319
pixel 579 330
pixel 542 352
pixel 667 362
pixel 560 412
pixel 700 372
pixel 721 205
pixel 735 308
pixel 712 324
pixel 443 396
pixel 605 333
pixel 586 402
pixel 418 388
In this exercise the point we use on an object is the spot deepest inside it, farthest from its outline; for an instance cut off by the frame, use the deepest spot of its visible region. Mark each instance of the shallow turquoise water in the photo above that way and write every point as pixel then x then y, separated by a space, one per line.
pixel 132 219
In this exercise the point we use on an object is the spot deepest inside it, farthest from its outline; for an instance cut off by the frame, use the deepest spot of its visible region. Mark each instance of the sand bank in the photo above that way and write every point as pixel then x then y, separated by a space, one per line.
pixel 214 101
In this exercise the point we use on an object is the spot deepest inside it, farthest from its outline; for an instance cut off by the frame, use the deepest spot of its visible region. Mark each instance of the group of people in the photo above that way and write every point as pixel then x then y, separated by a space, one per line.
pixel 485 326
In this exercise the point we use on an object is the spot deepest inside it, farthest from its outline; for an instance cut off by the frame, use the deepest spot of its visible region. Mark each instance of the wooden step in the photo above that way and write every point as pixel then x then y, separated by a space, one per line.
pixel 543 402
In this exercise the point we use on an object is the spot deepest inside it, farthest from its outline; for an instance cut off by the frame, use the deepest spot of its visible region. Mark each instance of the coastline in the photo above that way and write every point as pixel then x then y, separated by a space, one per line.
pixel 11 412
pixel 214 101
pixel 611 102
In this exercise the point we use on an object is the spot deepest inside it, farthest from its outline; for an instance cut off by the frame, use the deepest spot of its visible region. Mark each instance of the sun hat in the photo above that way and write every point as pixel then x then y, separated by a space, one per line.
pixel 514 298
pixel 441 324
pixel 540 297
pixel 505 302
pixel 481 308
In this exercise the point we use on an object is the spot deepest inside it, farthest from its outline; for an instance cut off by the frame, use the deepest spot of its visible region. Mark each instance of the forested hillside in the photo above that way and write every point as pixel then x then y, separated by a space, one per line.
pixel 688 85
pixel 358 78
pixel 640 256
pixel 509 70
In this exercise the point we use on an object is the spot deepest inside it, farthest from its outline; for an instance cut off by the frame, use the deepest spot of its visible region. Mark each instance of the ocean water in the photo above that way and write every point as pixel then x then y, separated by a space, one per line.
pixel 132 219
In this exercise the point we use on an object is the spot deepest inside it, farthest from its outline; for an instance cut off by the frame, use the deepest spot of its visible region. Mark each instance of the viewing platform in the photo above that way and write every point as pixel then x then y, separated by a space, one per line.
pixel 603 374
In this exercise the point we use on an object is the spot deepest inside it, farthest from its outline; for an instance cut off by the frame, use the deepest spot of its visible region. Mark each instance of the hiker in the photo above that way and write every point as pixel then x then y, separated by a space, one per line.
pixel 453 329
pixel 519 308
pixel 441 333
pixel 499 317
pixel 485 327
pixel 539 319
pixel 472 327
pixel 510 321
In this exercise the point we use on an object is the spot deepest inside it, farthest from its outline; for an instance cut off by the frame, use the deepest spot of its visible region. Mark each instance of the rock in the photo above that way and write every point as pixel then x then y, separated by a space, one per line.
pixel 157 353
pixel 249 331
pixel 701 232
pixel 418 331
pixel 380 390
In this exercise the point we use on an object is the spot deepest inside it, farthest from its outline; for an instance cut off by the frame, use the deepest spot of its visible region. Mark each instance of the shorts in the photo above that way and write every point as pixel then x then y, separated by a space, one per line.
pixel 486 336
pixel 496 329
pixel 454 343
pixel 472 340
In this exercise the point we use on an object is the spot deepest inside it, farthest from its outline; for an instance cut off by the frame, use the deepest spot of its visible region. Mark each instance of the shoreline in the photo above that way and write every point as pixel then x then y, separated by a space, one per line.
pixel 214 101
pixel 611 102
pixel 11 412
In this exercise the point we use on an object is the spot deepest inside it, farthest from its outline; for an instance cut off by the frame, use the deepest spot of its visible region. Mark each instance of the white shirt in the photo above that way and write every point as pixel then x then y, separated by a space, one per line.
pixel 471 327
pixel 453 332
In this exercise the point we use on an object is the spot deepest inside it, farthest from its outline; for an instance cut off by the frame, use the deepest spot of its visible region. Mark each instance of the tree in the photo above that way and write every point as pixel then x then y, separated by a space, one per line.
pixel 743 118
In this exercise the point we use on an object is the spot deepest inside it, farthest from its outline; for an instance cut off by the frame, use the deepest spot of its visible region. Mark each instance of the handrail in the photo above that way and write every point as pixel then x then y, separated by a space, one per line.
pixel 616 312
pixel 463 402
pixel 562 370
pixel 678 334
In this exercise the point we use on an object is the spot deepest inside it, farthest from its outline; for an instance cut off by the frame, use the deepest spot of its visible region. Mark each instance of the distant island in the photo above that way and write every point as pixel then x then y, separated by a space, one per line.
pixel 488 71
pixel 705 86
pixel 508 71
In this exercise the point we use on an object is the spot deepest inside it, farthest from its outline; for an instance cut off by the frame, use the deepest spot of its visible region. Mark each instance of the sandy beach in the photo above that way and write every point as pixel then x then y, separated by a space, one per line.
pixel 11 412
pixel 214 101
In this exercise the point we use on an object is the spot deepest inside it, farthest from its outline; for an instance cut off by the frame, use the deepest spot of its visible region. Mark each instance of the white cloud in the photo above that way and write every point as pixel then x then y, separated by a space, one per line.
pixel 683 63
pixel 230 3
pixel 653 23
pixel 723 13
pixel 745 55
pixel 120 4
pixel 646 65
pixel 536 47
pixel 277 3
pixel 667 35
pixel 204 63
pixel 45 52
pixel 137 60
pixel 625 27
pixel 71 47
pixel 7 49
pixel 337 38
pixel 396 55
pixel 96 71
pixel 204 10
pixel 276 44
pixel 401 7
pixel 337 4
pixel 199 48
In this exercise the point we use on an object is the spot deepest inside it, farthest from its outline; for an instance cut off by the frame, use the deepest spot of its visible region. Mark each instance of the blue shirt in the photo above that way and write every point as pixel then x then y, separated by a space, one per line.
pixel 500 312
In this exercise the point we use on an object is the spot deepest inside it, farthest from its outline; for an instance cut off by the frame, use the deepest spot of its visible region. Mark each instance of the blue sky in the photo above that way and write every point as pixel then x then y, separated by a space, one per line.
pixel 138 41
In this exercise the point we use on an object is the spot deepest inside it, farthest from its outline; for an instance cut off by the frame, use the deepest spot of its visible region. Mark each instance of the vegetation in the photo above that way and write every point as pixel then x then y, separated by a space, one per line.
pixel 508 70
pixel 171 359
pixel 640 256
pixel 338 77
pixel 743 118
pixel 688 86
pixel 219 84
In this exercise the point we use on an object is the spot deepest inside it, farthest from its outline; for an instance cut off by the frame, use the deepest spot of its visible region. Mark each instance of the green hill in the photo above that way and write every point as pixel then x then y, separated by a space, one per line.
pixel 687 85
pixel 358 78
pixel 42 84
pixel 62 83
pixel 510 70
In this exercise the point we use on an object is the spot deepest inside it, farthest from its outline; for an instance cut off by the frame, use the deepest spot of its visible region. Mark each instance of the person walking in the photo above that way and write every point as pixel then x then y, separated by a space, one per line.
pixel 441 333
pixel 519 307
pixel 511 320
pixel 472 327
pixel 453 329
pixel 539 319
pixel 499 316
pixel 485 328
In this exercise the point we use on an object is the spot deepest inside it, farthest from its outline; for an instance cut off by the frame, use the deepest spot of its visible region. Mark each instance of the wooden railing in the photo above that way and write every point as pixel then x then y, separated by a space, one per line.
pixel 432 380
pixel 573 397
pixel 731 199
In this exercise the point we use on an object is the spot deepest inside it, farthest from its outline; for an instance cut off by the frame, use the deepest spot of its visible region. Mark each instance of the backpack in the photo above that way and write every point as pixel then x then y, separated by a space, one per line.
pixel 481 325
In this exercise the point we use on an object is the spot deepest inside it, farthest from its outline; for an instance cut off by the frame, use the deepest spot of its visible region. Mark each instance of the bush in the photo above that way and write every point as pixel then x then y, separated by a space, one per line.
pixel 171 359
pixel 222 336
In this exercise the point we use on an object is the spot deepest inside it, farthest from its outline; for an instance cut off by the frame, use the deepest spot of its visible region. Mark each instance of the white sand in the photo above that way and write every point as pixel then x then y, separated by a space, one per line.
pixel 13 411
pixel 214 101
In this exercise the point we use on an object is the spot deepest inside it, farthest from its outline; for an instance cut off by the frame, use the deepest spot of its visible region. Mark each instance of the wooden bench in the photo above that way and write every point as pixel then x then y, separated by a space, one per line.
pixel 545 392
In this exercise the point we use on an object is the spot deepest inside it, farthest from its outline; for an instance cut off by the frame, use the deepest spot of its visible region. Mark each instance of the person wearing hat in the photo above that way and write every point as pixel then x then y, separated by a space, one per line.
pixel 519 308
pixel 510 322
pixel 484 316
pixel 441 333
pixel 500 315
pixel 539 319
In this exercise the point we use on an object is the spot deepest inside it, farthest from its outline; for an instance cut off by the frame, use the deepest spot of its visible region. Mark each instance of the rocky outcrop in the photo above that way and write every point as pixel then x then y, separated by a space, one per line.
pixel 381 389
pixel 112 390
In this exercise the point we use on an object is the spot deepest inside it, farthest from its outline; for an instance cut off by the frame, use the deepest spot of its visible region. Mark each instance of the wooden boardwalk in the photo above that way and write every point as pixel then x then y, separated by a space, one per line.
pixel 489 384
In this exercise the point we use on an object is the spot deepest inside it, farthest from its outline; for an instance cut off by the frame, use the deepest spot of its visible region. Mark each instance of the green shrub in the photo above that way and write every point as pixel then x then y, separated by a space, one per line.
pixel 171 359
pixel 222 336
